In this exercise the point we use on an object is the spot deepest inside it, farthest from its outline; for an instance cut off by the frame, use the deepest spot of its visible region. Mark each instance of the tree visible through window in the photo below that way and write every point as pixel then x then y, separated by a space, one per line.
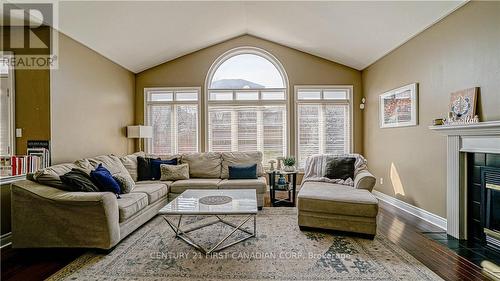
pixel 247 99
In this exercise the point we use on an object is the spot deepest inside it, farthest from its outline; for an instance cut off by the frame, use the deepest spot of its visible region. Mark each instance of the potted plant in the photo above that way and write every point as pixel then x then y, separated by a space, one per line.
pixel 289 163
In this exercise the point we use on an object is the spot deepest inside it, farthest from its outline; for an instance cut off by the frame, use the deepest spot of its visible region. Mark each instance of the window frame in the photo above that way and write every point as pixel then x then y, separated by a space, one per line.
pixel 260 102
pixel 12 102
pixel 174 90
pixel 321 100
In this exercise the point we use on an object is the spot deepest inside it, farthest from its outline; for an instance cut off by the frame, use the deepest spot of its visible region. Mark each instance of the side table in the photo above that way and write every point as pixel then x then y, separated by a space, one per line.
pixel 291 178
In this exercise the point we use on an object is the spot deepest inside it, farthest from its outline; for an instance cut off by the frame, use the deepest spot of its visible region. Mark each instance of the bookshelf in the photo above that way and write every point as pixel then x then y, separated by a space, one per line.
pixel 16 167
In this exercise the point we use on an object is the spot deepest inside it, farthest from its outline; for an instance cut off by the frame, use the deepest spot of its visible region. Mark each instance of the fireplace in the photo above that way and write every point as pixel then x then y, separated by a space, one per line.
pixel 483 137
pixel 490 202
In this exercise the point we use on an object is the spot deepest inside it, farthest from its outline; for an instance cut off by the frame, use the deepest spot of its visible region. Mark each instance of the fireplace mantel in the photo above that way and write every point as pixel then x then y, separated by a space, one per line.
pixel 474 129
pixel 478 137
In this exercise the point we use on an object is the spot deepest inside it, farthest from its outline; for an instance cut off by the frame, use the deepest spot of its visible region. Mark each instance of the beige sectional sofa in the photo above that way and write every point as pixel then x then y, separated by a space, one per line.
pixel 44 216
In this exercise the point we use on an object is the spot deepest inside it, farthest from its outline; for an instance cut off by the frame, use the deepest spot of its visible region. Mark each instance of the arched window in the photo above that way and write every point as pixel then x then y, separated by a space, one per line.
pixel 247 103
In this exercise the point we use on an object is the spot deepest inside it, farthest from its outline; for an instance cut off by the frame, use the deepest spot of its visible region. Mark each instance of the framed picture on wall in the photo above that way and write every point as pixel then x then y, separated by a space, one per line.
pixel 399 107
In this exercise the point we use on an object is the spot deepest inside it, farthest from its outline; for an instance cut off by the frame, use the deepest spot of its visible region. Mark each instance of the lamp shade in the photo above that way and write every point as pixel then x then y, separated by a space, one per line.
pixel 139 132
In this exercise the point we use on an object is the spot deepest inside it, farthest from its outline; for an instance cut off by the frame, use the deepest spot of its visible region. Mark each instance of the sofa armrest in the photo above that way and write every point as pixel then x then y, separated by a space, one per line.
pixel 364 180
pixel 43 216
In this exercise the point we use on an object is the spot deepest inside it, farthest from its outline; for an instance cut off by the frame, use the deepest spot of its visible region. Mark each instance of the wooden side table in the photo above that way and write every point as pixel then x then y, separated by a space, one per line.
pixel 291 178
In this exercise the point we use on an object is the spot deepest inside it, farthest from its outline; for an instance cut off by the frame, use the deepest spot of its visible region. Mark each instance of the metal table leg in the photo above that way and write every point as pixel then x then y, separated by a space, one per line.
pixel 183 234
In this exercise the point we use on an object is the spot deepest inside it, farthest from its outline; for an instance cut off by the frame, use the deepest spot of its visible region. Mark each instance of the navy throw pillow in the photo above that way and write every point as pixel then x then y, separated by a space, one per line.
pixel 144 169
pixel 155 167
pixel 104 180
pixel 243 172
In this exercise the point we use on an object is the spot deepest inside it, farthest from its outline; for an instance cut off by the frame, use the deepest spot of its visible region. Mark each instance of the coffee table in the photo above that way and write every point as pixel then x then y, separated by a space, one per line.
pixel 218 203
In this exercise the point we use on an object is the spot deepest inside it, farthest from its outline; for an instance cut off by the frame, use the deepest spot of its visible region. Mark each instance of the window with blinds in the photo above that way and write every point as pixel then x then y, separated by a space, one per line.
pixel 247 104
pixel 6 107
pixel 173 114
pixel 323 121
pixel 248 128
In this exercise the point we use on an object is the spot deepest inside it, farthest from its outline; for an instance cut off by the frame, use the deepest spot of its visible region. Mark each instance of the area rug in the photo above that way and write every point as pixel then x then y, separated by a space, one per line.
pixel 281 251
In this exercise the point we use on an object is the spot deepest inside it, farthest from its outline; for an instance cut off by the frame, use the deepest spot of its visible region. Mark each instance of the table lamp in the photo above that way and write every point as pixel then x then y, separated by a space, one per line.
pixel 139 132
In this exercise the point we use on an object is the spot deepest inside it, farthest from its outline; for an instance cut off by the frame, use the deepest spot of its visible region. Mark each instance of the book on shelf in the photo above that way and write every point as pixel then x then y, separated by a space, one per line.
pixel 43 153
pixel 40 146
pixel 15 165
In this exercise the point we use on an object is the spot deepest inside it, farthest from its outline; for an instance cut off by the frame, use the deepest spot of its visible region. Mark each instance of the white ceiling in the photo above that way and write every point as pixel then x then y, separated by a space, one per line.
pixel 139 35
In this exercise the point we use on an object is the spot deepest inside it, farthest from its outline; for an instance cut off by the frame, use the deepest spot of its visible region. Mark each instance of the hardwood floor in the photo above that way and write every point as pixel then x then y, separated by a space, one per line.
pixel 401 228
pixel 407 232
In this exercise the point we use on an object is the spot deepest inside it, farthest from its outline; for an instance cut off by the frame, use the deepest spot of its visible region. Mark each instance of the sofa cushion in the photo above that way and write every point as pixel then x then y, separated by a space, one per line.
pixel 111 162
pixel 181 185
pixel 130 163
pixel 259 184
pixel 126 183
pixel 339 199
pixel 131 203
pixel 244 172
pixel 154 190
pixel 155 166
pixel 174 172
pixel 203 165
pixel 241 159
pixel 57 170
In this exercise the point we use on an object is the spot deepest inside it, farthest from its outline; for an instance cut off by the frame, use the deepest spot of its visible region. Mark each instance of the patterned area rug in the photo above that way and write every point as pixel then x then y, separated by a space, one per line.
pixel 279 252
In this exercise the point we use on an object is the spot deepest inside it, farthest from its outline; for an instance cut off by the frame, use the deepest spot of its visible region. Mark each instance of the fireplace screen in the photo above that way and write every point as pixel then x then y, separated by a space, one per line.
pixel 490 197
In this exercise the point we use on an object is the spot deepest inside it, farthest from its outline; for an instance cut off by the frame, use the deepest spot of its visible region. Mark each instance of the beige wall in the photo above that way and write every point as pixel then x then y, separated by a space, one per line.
pixel 461 51
pixel 32 113
pixel 92 101
pixel 32 94
pixel 301 68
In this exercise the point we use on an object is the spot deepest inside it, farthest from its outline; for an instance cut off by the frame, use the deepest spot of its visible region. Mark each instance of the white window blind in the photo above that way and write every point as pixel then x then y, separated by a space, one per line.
pixel 173 114
pixel 5 118
pixel 6 108
pixel 248 128
pixel 323 121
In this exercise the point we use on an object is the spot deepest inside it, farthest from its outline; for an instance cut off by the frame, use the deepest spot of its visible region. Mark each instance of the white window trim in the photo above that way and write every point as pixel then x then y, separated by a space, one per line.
pixel 348 101
pixel 254 51
pixel 147 143
pixel 12 103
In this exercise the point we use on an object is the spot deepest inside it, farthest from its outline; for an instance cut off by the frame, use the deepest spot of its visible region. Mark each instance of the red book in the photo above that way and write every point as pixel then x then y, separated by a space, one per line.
pixel 13 163
pixel 19 166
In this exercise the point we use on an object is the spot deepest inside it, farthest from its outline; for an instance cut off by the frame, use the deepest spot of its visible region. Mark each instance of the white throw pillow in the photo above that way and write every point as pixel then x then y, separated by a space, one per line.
pixel 174 172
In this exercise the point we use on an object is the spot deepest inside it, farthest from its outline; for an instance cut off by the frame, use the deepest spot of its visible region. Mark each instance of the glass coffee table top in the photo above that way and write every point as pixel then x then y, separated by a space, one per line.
pixel 213 202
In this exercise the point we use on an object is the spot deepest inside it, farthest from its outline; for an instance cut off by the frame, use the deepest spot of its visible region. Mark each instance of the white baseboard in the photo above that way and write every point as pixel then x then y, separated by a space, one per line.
pixel 420 213
pixel 5 240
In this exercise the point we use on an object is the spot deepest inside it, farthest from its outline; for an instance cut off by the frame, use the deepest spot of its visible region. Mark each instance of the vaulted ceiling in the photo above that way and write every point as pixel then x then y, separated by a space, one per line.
pixel 139 34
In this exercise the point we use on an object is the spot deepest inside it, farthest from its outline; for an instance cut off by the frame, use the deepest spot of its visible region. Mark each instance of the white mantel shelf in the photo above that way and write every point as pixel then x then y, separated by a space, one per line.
pixel 475 129
pixel 482 137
